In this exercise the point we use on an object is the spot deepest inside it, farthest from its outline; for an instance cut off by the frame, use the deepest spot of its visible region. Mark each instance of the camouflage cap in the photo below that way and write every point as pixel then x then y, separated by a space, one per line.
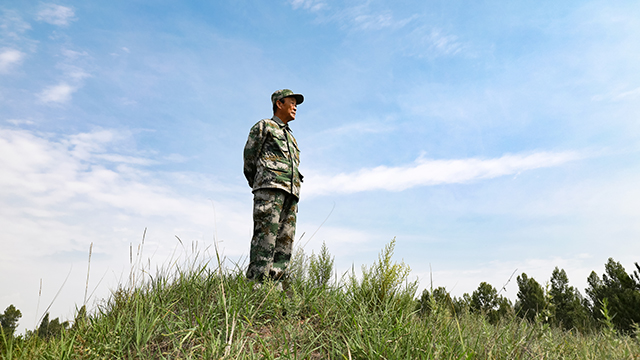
pixel 281 94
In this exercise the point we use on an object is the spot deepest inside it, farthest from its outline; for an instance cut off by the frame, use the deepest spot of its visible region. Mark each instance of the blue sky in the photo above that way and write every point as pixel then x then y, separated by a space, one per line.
pixel 484 137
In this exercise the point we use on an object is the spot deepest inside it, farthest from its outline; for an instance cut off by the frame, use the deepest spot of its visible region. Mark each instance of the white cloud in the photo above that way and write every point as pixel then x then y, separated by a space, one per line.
pixel 133 160
pixel 77 74
pixel 427 172
pixel 425 41
pixel 9 58
pixel 12 25
pixel 362 18
pixel 373 21
pixel 418 40
pixel 340 240
pixel 18 122
pixel 55 14
pixel 73 77
pixel 616 96
pixel 82 171
pixel 311 5
pixel 442 43
pixel 628 95
pixel 60 93
pixel 358 128
pixel 73 55
pixel 58 195
pixel 358 16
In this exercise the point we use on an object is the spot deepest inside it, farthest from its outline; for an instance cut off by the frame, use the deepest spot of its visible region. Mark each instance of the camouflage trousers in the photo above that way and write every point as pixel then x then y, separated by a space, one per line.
pixel 274 227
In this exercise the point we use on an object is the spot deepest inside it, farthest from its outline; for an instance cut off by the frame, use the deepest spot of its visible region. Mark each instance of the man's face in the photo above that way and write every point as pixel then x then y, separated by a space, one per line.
pixel 287 109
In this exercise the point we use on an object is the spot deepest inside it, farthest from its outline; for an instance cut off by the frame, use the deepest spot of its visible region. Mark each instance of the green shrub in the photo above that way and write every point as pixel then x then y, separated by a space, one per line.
pixel 384 284
pixel 321 268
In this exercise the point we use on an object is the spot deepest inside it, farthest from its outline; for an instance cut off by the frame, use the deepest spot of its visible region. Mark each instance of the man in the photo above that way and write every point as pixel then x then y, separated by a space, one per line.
pixel 271 159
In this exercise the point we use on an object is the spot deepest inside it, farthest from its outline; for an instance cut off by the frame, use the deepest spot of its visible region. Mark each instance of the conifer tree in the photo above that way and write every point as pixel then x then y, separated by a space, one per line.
pixel 9 320
pixel 566 302
pixel 622 293
pixel 51 328
pixel 531 301
pixel 485 300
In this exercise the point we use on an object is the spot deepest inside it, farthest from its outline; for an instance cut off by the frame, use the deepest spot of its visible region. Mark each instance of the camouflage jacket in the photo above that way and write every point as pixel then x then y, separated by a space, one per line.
pixel 272 156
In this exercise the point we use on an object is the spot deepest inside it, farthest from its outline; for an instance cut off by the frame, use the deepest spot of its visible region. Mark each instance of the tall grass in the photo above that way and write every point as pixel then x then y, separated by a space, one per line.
pixel 203 310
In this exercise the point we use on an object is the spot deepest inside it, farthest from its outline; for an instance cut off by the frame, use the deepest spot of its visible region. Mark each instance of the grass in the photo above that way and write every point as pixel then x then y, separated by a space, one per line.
pixel 202 311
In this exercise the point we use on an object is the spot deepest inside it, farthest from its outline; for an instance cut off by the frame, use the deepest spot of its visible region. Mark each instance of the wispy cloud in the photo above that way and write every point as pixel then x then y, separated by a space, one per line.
pixel 12 25
pixel 615 96
pixel 416 40
pixel 55 14
pixel 78 185
pixel 361 17
pixel 61 193
pixel 73 55
pixel 358 128
pixel 19 122
pixel 433 41
pixel 9 58
pixel 311 5
pixel 60 93
pixel 48 178
pixel 376 21
pixel 358 16
pixel 628 95
pixel 426 172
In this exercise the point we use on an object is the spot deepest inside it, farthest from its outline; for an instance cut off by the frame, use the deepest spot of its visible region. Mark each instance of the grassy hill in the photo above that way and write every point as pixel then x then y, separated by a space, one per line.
pixel 204 311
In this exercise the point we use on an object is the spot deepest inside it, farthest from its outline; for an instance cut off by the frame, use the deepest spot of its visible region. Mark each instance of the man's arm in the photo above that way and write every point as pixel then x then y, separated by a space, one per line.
pixel 252 150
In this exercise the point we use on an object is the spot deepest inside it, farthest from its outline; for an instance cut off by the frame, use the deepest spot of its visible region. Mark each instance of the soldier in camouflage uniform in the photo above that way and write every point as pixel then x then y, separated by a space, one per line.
pixel 271 159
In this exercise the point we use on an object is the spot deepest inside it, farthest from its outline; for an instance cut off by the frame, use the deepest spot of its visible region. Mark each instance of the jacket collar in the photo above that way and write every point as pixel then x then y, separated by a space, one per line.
pixel 280 123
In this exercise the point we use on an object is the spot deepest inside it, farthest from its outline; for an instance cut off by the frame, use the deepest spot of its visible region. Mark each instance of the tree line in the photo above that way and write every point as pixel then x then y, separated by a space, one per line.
pixel 47 328
pixel 612 301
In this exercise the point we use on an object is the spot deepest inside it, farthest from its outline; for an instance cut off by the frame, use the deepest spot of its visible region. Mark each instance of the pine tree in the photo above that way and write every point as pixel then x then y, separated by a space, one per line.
pixel 531 301
pixel 622 293
pixel 485 300
pixel 566 302
pixel 9 320
pixel 51 328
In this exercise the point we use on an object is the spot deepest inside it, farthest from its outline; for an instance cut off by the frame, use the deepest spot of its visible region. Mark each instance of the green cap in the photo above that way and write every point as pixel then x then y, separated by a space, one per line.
pixel 281 94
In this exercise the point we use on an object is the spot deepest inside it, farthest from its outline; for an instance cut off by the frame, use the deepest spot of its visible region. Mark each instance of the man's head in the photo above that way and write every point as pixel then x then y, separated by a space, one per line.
pixel 285 103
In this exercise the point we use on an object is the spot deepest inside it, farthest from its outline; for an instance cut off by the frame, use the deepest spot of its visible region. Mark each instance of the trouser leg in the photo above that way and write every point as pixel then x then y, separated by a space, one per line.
pixel 267 209
pixel 286 234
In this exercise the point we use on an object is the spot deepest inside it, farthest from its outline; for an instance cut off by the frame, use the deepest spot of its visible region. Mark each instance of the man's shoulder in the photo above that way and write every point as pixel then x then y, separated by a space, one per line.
pixel 266 122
